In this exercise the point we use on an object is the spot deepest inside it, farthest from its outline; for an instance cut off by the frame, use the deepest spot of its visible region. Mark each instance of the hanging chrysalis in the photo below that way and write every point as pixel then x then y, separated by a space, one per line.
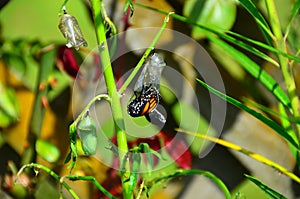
pixel 69 27
pixel 146 90
pixel 86 130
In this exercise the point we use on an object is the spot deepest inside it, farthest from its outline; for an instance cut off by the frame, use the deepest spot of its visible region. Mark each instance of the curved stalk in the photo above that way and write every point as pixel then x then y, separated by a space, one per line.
pixel 51 173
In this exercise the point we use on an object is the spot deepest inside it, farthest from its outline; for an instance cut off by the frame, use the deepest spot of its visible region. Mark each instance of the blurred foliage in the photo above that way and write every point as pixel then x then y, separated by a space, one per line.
pixel 37 73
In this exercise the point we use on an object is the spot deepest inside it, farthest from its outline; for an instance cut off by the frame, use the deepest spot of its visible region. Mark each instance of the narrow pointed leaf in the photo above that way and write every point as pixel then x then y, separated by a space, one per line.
pixel 134 175
pixel 293 14
pixel 256 71
pixel 251 154
pixel 147 150
pixel 254 113
pixel 271 192
pixel 263 25
pixel 229 38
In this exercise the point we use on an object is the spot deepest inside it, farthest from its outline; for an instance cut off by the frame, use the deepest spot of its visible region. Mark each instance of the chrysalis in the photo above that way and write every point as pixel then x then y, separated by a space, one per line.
pixel 86 130
pixel 146 90
pixel 69 27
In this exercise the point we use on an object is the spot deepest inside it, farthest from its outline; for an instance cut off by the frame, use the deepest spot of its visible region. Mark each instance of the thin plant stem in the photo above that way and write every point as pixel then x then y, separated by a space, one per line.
pixel 146 54
pixel 94 181
pixel 285 69
pixel 112 92
pixel 36 166
pixel 207 174
pixel 86 108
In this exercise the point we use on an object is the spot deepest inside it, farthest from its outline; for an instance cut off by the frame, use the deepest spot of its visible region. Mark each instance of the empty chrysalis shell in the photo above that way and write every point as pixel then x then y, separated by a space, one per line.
pixel 69 27
pixel 86 130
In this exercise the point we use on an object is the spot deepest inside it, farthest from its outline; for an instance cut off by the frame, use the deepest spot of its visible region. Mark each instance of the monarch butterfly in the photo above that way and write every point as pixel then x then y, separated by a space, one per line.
pixel 144 102
pixel 146 90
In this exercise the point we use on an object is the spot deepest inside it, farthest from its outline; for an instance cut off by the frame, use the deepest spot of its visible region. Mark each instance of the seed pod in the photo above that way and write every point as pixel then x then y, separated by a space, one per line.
pixel 86 130
pixel 69 27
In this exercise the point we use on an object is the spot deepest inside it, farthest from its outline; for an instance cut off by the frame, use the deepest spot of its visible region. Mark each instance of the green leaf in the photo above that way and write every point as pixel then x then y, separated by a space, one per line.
pixel 144 147
pixel 251 154
pixel 287 125
pixel 210 13
pixel 281 115
pixel 47 150
pixel 256 71
pixel 271 192
pixel 292 27
pixel 15 62
pixel 158 155
pixel 257 43
pixel 68 158
pixel 130 5
pixel 134 174
pixel 231 39
pixel 87 133
pixel 5 120
pixel 254 113
pixel 9 106
pixel 73 148
pixel 47 60
pixel 260 20
pixel 227 62
pixel 294 13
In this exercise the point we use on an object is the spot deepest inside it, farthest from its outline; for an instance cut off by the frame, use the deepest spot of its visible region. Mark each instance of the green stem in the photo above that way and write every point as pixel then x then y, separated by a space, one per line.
pixel 112 92
pixel 196 172
pixel 281 45
pixel 86 108
pixel 47 58
pixel 146 54
pixel 94 181
pixel 51 173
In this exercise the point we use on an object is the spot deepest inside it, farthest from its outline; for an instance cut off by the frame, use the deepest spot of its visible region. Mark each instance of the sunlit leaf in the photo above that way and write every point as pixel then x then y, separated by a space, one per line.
pixel 210 13
pixel 256 71
pixel 9 106
pixel 282 132
pixel 251 154
pixel 286 124
pixel 260 20
pixel 47 150
pixel 231 39
pixel 5 120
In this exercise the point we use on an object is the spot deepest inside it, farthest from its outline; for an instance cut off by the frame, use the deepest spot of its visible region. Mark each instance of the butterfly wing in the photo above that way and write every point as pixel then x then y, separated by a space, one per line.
pixel 156 117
